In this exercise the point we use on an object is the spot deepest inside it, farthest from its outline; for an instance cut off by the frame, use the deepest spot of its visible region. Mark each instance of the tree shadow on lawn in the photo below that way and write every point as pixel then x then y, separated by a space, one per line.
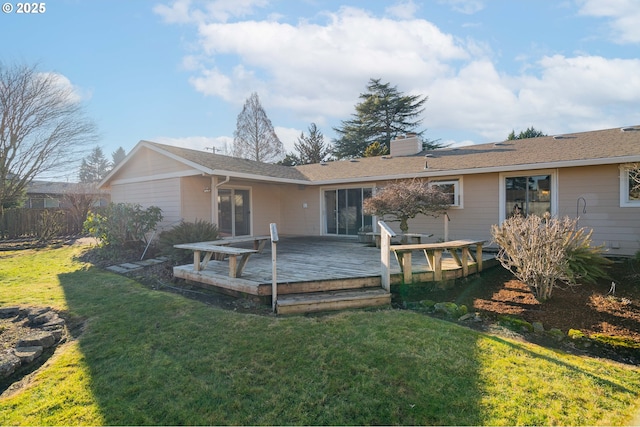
pixel 159 358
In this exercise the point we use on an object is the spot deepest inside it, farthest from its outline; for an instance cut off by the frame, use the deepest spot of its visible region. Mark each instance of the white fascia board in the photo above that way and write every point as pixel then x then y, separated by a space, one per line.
pixel 179 159
pixel 158 177
pixel 201 169
pixel 264 178
pixel 427 173
pixel 510 168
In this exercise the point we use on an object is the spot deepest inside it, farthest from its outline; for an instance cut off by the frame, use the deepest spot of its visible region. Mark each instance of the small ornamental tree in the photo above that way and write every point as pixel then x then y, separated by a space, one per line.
pixel 543 252
pixel 404 200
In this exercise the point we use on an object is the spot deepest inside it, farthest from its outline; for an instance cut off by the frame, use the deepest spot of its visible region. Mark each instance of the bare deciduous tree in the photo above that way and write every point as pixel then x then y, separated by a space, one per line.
pixel 254 137
pixel 42 128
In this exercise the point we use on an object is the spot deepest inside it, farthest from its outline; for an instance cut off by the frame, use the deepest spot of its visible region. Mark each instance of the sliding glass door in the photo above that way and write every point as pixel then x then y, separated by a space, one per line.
pixel 234 217
pixel 343 210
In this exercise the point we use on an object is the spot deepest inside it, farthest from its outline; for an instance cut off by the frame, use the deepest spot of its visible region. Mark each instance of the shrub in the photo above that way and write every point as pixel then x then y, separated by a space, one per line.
pixel 186 232
pixel 542 251
pixel 123 224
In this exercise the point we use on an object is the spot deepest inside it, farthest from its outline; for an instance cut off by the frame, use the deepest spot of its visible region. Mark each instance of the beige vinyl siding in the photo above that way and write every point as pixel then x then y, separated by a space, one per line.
pixel 598 187
pixel 163 193
pixel 149 163
pixel 296 219
pixel 473 221
pixel 265 207
pixel 196 203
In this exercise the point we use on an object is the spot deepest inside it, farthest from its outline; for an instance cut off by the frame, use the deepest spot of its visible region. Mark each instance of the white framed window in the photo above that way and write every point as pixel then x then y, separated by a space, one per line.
pixel 630 185
pixel 452 187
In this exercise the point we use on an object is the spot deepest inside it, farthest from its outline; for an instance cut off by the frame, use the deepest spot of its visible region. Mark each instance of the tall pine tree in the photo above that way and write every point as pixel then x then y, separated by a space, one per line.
pixel 382 115
pixel 94 167
pixel 312 148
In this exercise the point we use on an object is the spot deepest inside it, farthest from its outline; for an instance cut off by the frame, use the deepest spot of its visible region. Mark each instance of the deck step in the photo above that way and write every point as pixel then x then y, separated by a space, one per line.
pixel 332 300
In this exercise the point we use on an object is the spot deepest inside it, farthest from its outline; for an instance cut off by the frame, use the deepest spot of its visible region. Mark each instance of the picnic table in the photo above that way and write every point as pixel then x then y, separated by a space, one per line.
pixel 235 267
pixel 413 238
pixel 459 250
pixel 259 242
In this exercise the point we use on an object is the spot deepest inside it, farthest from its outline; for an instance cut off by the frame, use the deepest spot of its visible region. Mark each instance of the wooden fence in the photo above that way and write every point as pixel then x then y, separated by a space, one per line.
pixel 22 223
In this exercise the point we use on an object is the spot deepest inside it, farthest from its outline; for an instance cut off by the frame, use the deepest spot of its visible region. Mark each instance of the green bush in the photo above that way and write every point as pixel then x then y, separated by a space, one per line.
pixel 123 224
pixel 186 232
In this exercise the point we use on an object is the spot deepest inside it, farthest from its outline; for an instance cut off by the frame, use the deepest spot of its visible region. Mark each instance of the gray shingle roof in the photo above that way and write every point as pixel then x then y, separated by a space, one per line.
pixel 218 162
pixel 606 146
pixel 594 147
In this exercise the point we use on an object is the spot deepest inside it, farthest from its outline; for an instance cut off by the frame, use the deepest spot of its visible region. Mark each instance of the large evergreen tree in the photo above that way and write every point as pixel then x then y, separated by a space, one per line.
pixel 382 115
pixel 254 137
pixel 118 156
pixel 525 134
pixel 312 148
pixel 94 167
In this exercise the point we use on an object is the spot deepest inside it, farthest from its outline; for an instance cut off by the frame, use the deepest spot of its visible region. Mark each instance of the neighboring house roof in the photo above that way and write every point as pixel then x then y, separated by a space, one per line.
pixel 610 146
pixel 54 188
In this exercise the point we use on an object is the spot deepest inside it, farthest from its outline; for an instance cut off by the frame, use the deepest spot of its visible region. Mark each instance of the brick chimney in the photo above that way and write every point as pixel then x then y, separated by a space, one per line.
pixel 406 145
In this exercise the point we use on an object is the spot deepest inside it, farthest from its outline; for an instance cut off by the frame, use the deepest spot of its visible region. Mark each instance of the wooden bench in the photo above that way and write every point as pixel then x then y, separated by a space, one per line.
pixel 413 238
pixel 433 253
pixel 235 267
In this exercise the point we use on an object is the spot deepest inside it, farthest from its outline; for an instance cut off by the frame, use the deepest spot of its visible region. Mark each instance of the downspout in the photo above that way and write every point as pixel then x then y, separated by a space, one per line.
pixel 226 179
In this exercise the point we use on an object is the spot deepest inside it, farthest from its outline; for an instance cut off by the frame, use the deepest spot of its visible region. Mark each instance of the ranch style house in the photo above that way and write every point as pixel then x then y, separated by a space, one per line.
pixel 585 175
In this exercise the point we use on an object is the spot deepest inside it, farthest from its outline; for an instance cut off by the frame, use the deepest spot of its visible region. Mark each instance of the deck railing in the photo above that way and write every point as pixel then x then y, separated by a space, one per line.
pixel 386 233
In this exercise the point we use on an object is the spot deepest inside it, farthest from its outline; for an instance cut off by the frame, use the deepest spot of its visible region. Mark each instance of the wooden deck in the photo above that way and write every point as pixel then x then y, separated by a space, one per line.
pixel 315 264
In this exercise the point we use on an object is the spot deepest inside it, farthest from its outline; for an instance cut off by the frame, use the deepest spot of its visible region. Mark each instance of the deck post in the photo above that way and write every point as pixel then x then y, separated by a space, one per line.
pixel 274 278
pixel 386 233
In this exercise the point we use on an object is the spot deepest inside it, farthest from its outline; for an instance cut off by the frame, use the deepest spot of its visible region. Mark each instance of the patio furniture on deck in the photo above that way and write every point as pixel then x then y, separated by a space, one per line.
pixel 413 238
pixel 259 242
pixel 433 253
pixel 235 267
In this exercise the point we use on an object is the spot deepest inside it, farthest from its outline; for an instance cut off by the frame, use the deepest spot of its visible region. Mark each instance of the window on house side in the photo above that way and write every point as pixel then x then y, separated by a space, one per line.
pixel 630 186
pixel 450 187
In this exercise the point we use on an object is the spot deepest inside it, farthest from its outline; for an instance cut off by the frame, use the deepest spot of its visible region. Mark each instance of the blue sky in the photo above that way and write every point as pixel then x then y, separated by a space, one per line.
pixel 179 71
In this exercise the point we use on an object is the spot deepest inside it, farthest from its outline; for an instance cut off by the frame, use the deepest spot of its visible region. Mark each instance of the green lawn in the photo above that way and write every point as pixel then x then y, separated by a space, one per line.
pixel 150 357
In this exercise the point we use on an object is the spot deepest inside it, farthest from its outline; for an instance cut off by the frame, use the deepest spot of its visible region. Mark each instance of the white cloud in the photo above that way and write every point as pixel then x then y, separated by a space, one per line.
pixel 314 71
pixel 467 7
pixel 288 136
pixel 75 94
pixel 177 13
pixel 319 70
pixel 188 11
pixel 624 15
pixel 403 9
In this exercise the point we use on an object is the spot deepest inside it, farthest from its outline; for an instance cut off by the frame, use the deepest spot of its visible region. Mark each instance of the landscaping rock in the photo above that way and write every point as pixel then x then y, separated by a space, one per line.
pixel 48 317
pixel 28 354
pixel 9 362
pixel 537 327
pixel 556 334
pixel 7 312
pixel 43 339
pixel 468 316
pixel 34 329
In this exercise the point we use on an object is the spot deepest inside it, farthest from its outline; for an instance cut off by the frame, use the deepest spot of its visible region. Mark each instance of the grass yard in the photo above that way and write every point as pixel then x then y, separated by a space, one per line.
pixel 148 357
